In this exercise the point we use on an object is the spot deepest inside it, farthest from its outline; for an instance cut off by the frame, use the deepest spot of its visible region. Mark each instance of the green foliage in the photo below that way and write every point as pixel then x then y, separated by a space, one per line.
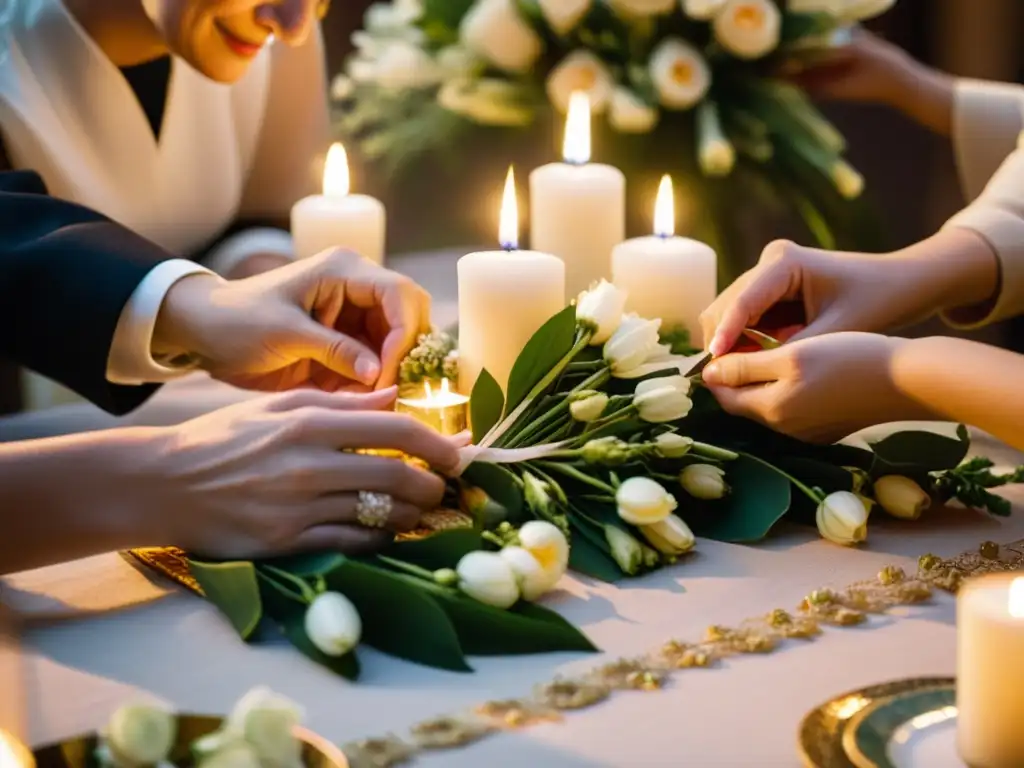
pixel 546 347
pixel 486 405
pixel 233 588
pixel 970 484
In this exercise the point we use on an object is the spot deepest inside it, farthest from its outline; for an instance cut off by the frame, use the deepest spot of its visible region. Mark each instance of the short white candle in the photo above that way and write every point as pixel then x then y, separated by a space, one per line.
pixel 578 208
pixel 443 410
pixel 667 277
pixel 338 219
pixel 504 298
pixel 990 671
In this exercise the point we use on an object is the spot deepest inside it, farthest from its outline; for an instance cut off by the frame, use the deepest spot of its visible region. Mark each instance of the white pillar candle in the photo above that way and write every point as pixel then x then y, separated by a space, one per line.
pixel 337 218
pixel 504 298
pixel 667 277
pixel 990 671
pixel 578 208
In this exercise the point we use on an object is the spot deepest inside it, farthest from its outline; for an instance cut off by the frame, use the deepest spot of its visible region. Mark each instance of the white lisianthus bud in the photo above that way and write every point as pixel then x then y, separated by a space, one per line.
pixel 549 546
pixel 266 721
pixel 141 734
pixel 633 342
pixel 901 497
pixel 488 101
pixel 860 10
pixel 847 180
pixel 563 15
pixel 530 576
pixel 537 494
pixel 704 481
pixel 628 113
pixel 600 310
pixel 680 74
pixel 588 406
pixel 627 552
pixel 642 501
pixel 842 518
pixel 715 152
pixel 670 537
pixel 581 71
pixel 606 451
pixel 642 8
pixel 702 10
pixel 332 624
pixel 664 399
pixel 497 32
pixel 748 29
pixel 486 577
pixel 672 446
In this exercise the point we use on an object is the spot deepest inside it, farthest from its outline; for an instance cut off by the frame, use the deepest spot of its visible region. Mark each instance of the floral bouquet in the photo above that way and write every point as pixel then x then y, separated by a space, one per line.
pixel 704 74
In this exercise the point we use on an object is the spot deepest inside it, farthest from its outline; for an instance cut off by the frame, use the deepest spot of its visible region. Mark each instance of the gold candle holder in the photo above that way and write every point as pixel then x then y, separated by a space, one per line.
pixel 442 410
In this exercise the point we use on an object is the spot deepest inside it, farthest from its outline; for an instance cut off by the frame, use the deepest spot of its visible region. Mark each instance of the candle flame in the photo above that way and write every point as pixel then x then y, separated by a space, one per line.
pixel 428 390
pixel 508 227
pixel 337 180
pixel 1015 603
pixel 576 147
pixel 665 209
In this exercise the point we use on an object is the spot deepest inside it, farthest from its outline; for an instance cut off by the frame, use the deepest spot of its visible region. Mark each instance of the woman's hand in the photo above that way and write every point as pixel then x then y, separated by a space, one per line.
pixel 279 475
pixel 820 390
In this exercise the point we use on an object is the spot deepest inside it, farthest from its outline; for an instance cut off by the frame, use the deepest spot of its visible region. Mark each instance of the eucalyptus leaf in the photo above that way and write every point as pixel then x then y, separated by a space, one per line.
pixel 441 550
pixel 760 496
pixel 919 451
pixel 542 352
pixel 485 405
pixel 500 484
pixel 234 589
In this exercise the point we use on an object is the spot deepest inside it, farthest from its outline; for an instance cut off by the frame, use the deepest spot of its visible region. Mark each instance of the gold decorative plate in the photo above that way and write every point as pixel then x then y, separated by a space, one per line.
pixel 821 732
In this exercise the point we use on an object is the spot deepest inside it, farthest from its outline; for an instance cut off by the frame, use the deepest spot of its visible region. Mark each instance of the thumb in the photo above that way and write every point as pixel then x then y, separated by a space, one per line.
pixel 743 369
pixel 339 353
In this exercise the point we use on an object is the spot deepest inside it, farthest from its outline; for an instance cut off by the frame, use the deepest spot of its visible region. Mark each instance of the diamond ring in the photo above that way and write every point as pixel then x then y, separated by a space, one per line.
pixel 373 509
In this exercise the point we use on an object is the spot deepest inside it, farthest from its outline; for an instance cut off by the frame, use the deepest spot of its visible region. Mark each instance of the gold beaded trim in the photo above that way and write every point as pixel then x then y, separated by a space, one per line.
pixel 822 608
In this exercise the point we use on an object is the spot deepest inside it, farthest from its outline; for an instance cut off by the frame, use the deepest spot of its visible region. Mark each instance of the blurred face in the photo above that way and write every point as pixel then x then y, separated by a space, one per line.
pixel 220 38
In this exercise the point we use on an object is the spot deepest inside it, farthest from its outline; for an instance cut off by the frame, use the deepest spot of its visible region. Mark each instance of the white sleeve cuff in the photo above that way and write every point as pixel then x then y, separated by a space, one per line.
pixel 249 242
pixel 130 361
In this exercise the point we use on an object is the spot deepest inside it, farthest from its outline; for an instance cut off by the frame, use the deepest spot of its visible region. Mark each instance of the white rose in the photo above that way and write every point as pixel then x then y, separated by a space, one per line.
pixel 628 113
pixel 680 74
pixel 486 577
pixel 671 536
pixel 843 518
pixel 332 624
pixel 563 15
pixel 704 481
pixel 672 446
pixel 901 497
pixel 486 101
pixel 600 309
pixel 847 180
pixel 860 10
pixel 497 32
pixel 266 721
pixel 635 340
pixel 702 10
pixel 749 29
pixel 580 71
pixel 141 734
pixel 663 399
pixel 715 153
pixel 546 542
pixel 642 8
pixel 588 406
pixel 642 501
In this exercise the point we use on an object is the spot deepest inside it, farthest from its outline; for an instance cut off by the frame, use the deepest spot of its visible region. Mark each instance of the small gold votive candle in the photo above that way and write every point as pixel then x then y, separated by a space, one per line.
pixel 990 671
pixel 442 410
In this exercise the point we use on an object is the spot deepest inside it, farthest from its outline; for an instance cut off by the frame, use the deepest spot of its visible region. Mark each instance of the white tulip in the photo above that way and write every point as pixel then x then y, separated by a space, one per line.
pixel 563 15
pixel 486 577
pixel 664 399
pixel 496 31
pixel 860 10
pixel 847 180
pixel 580 71
pixel 671 536
pixel 642 8
pixel 704 481
pixel 715 152
pixel 628 113
pixel 487 101
pixel 748 29
pixel 530 576
pixel 600 310
pixel 546 542
pixel 680 74
pixel 632 343
pixel 842 518
pixel 141 734
pixel 901 497
pixel 588 406
pixel 642 501
pixel 266 721
pixel 672 446
pixel 702 10
pixel 332 624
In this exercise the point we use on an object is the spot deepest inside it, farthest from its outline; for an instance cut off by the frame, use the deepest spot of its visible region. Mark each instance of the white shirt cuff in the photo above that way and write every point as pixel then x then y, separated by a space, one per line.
pixel 246 243
pixel 130 361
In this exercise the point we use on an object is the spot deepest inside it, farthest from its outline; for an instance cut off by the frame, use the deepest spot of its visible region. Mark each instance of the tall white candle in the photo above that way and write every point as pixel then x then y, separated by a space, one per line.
pixel 504 298
pixel 674 278
pixel 578 208
pixel 337 218
pixel 990 671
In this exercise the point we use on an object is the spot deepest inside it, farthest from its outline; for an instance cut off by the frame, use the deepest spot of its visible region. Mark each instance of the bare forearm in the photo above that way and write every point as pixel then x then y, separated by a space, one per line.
pixel 964 381
pixel 927 99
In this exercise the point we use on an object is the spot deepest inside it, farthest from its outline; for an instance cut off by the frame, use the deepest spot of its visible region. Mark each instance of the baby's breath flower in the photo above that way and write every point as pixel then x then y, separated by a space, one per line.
pixel 434 357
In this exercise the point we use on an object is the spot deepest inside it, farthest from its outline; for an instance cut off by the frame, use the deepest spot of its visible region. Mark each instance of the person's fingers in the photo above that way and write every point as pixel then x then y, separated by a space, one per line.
pixel 343 508
pixel 352 472
pixel 744 369
pixel 346 539
pixel 772 283
pixel 753 402
pixel 334 350
pixel 402 303
pixel 339 401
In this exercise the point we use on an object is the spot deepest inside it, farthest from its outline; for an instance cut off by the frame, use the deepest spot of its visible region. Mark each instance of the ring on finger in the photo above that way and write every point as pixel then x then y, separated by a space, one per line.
pixel 374 509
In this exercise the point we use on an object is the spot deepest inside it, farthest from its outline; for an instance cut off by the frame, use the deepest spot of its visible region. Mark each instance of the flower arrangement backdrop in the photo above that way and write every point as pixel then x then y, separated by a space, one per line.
pixel 441 95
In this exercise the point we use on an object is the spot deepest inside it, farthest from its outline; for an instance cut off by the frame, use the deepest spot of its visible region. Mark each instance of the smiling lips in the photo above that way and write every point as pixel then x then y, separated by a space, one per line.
pixel 241 47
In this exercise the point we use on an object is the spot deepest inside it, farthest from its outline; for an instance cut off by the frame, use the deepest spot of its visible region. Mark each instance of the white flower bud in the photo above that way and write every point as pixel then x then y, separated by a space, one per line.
pixel 266 721
pixel 487 100
pixel 332 624
pixel 546 542
pixel 628 113
pixel 861 10
pixel 715 152
pixel 141 734
pixel 606 451
pixel 627 552
pixel 635 340
pixel 497 32
pixel 563 15
pixel 847 180
pixel 843 518
pixel 580 71
pixel 748 29
pixel 589 407
pixel 486 577
pixel 672 446
pixel 702 10
pixel 704 481
pixel 236 754
pixel 670 537
pixel 901 497
pixel 642 501
pixel 663 399
pixel 680 74
pixel 530 576
pixel 600 310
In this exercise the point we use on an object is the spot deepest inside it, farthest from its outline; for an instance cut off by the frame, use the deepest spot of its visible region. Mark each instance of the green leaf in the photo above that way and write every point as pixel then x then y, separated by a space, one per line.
pixel 760 496
pixel 919 452
pixel 400 615
pixel 498 483
pixel 485 405
pixel 797 26
pixel 446 12
pixel 487 631
pixel 441 550
pixel 589 555
pixel 542 352
pixel 233 588
pixel 308 565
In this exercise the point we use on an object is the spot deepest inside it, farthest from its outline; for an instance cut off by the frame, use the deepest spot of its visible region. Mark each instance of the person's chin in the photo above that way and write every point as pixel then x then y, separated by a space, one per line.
pixel 220 69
